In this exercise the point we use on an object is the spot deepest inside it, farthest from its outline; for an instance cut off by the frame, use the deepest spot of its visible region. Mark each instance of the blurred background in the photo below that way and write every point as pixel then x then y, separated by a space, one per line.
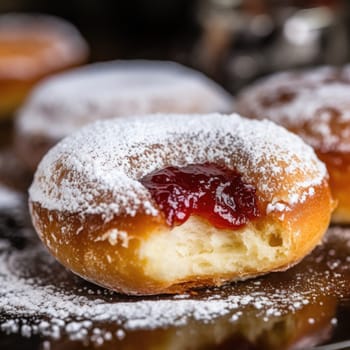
pixel 232 41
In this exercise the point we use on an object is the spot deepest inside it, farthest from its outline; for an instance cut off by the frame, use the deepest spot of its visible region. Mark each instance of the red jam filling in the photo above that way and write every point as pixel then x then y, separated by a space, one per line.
pixel 208 190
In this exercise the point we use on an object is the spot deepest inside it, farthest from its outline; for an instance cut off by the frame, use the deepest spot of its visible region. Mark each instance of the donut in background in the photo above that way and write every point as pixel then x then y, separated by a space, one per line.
pixel 33 46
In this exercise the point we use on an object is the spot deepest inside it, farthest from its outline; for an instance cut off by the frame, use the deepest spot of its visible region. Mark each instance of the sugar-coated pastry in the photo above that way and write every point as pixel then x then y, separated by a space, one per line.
pixel 170 202
pixel 33 46
pixel 64 103
pixel 315 105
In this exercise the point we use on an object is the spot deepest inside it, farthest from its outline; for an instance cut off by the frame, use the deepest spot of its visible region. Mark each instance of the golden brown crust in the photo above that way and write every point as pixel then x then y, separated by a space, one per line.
pixel 78 243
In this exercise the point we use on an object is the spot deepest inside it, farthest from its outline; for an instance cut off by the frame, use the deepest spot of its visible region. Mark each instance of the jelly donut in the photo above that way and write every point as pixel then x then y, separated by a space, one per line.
pixel 33 46
pixel 315 105
pixel 171 202
pixel 66 102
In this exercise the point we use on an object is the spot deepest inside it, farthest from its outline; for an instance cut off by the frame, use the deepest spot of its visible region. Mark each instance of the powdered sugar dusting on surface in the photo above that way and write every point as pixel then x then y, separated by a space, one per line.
pixel 97 169
pixel 68 101
pixel 34 287
pixel 314 103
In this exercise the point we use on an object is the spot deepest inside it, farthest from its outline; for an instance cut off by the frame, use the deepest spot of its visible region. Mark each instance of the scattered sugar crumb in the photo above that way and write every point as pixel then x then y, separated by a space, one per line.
pixel 9 198
pixel 311 320
pixel 334 321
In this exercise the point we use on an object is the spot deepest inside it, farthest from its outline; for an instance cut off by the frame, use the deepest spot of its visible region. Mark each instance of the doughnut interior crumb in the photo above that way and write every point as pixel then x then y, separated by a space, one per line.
pixel 197 248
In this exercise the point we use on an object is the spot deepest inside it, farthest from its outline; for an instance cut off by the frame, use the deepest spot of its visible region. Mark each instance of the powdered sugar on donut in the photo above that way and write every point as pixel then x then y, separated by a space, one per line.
pixel 313 103
pixel 68 101
pixel 96 170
